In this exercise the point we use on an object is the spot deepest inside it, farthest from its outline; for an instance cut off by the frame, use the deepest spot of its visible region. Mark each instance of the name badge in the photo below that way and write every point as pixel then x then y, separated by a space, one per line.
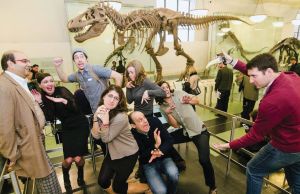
pixel 90 79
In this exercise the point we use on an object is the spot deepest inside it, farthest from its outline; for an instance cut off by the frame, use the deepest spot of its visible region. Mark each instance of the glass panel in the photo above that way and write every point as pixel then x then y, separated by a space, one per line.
pixel 183 6
pixel 183 34
pixel 191 35
pixel 160 3
pixel 171 4
pixel 192 4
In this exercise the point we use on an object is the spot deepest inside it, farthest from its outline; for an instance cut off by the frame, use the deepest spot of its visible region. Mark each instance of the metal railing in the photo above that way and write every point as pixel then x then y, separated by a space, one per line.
pixel 8 175
pixel 235 120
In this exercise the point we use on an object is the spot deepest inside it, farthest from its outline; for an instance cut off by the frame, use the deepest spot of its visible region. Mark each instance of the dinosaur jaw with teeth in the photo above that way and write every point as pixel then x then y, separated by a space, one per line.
pixel 91 31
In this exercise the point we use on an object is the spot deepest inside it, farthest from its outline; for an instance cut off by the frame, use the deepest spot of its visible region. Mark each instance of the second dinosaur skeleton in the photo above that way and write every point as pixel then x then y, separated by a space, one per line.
pixel 141 24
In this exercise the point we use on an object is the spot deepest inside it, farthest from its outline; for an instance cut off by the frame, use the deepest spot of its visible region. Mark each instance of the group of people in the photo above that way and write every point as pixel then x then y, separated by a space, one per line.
pixel 139 136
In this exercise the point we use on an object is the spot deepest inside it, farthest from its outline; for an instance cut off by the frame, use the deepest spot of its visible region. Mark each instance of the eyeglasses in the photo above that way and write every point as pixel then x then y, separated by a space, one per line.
pixel 23 60
pixel 28 68
pixel 114 97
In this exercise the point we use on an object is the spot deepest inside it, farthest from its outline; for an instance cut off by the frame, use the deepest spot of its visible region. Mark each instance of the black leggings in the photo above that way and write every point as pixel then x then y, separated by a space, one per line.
pixel 119 170
pixel 201 142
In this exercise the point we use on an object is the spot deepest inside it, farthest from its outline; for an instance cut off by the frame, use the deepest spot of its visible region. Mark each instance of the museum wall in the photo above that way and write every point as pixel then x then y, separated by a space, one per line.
pixel 39 29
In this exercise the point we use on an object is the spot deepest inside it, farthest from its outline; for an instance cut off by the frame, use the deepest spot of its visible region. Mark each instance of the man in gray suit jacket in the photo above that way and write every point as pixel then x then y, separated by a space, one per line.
pixel 223 86
pixel 21 124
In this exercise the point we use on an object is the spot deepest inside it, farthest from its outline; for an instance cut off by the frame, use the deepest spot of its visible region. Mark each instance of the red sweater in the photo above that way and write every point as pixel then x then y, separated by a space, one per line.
pixel 278 115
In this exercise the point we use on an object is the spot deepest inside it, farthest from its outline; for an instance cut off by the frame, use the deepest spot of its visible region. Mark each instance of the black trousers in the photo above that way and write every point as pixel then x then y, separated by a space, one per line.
pixel 222 102
pixel 119 170
pixel 201 142
pixel 248 106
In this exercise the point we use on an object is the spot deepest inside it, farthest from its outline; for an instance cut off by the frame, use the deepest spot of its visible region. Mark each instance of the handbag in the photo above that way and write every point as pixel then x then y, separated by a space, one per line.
pixel 186 86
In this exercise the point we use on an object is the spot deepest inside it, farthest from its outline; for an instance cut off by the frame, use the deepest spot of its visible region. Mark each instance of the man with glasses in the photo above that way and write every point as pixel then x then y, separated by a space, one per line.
pixel 21 124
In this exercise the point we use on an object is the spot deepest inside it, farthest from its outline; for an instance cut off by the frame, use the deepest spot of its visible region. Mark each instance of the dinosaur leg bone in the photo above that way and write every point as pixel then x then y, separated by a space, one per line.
pixel 150 51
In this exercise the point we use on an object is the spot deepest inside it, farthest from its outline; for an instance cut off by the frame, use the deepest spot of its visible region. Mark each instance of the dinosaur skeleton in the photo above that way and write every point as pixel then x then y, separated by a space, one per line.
pixel 239 47
pixel 141 24
pixel 290 46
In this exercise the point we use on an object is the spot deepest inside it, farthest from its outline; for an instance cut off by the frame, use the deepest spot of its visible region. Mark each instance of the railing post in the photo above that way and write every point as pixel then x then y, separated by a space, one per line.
pixel 234 119
pixel 210 97
pixel 15 182
pixel 232 90
pixel 205 92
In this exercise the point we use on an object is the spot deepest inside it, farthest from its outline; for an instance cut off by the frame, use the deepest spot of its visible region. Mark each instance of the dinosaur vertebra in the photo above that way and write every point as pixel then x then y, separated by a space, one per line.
pixel 290 46
pixel 142 23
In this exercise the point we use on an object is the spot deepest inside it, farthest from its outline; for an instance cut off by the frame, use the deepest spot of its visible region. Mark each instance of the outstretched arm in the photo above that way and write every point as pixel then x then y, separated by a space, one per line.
pixel 58 66
pixel 117 77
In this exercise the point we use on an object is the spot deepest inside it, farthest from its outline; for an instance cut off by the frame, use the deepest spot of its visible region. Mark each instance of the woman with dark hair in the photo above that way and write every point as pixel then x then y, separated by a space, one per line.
pixel 112 126
pixel 177 109
pixel 140 90
pixel 58 102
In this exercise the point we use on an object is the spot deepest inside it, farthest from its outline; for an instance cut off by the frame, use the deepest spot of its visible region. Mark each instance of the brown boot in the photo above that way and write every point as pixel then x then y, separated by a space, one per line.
pixel 137 187
pixel 110 190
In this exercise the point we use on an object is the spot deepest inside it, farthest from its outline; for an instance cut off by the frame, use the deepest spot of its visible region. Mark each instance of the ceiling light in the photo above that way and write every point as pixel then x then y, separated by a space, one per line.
pixel 259 15
pixel 258 18
pixel 115 4
pixel 278 24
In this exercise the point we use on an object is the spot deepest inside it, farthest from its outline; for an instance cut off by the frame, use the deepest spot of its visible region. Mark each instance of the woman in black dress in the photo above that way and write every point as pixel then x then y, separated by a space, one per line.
pixel 58 102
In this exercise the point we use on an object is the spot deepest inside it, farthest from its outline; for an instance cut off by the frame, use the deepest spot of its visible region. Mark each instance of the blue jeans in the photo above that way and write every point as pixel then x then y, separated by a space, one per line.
pixel 153 173
pixel 268 160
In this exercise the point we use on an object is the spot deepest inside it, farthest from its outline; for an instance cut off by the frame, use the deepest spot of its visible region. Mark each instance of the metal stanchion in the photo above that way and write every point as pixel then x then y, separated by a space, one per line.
pixel 235 120
pixel 232 89
pixel 210 95
pixel 92 143
pixel 205 92
pixel 15 182
pixel 231 138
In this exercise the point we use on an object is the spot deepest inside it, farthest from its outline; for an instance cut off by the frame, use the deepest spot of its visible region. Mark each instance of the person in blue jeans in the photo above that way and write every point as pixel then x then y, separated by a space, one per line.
pixel 278 117
pixel 155 144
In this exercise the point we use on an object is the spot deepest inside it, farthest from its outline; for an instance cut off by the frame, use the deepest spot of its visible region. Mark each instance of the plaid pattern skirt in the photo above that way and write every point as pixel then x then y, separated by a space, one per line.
pixel 48 184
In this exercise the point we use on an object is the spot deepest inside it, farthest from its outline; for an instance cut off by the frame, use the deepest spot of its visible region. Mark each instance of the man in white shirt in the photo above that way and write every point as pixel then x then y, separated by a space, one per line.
pixel 21 124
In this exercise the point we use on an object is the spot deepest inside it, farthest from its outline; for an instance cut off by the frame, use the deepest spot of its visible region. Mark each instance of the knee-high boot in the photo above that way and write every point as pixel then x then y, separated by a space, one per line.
pixel 66 176
pixel 80 178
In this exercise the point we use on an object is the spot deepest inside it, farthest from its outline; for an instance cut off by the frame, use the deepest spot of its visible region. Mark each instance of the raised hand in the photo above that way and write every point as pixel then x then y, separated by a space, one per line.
pixel 156 153
pixel 145 97
pixel 37 96
pixel 57 61
pixel 130 84
pixel 186 99
pixel 103 114
pixel 157 138
pixel 224 56
pixel 170 109
pixel 57 100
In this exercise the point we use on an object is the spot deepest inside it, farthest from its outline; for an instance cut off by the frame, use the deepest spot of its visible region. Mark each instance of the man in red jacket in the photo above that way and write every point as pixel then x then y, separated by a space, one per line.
pixel 278 117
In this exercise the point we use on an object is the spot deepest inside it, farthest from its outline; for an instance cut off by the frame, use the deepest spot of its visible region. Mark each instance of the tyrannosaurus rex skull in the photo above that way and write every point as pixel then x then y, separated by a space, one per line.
pixel 93 20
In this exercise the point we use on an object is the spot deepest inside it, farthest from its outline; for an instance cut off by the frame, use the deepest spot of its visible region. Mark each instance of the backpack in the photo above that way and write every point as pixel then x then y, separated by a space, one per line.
pixel 101 81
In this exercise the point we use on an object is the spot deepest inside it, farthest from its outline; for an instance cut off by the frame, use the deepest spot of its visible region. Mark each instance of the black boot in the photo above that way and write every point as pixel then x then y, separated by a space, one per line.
pixel 67 182
pixel 80 178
